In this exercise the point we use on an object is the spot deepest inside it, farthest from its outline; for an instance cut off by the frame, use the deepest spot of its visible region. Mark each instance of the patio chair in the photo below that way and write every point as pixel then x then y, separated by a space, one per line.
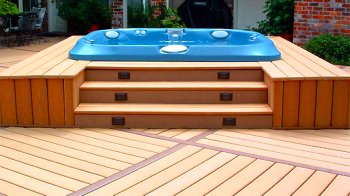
pixel 38 28
pixel 9 29
pixel 26 26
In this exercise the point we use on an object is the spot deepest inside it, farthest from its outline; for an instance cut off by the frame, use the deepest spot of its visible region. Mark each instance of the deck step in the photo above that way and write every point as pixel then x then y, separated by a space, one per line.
pixel 174 92
pixel 170 86
pixel 243 74
pixel 174 115
pixel 174 109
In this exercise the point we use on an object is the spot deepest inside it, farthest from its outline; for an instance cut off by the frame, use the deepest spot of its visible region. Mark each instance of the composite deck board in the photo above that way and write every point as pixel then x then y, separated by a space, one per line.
pixel 308 140
pixel 290 114
pixel 190 109
pixel 119 140
pixel 131 136
pixel 324 73
pixel 99 143
pixel 146 172
pixel 41 174
pixel 187 179
pixel 32 183
pixel 48 60
pixel 12 189
pixel 8 102
pixel 288 70
pixel 267 180
pixel 291 182
pixel 298 66
pixel 277 155
pixel 339 72
pixel 155 131
pixel 59 69
pixel 161 85
pixel 55 95
pixel 340 106
pixel 175 65
pixel 106 164
pixel 23 102
pixel 170 173
pixel 339 186
pixel 173 132
pixel 272 71
pixel 307 105
pixel 49 165
pixel 256 144
pixel 189 134
pixel 217 177
pixel 279 141
pixel 79 146
pixel 57 157
pixel 240 180
pixel 40 102
pixel 331 133
pixel 43 54
pixel 316 184
pixel 74 70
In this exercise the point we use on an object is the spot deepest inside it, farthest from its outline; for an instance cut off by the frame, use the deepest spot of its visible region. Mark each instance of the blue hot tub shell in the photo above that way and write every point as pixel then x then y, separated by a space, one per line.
pixel 157 44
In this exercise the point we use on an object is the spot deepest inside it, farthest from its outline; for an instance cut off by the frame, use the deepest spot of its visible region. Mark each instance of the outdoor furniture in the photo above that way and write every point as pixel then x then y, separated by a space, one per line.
pixel 37 30
pixel 26 25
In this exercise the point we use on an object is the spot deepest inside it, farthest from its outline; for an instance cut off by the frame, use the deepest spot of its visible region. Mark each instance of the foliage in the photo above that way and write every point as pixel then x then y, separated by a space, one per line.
pixel 81 14
pixel 172 20
pixel 279 18
pixel 8 8
pixel 153 16
pixel 334 49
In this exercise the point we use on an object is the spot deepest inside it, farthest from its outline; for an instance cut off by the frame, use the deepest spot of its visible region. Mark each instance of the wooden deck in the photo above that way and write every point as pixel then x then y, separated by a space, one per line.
pixel 302 90
pixel 47 161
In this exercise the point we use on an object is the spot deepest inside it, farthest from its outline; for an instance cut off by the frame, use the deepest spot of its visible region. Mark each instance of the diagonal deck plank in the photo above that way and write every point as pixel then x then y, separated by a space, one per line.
pixel 192 176
pixel 316 184
pixel 31 161
pixel 242 179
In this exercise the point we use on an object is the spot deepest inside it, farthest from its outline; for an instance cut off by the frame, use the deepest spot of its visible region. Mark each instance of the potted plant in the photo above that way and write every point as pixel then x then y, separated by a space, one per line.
pixel 85 15
pixel 279 19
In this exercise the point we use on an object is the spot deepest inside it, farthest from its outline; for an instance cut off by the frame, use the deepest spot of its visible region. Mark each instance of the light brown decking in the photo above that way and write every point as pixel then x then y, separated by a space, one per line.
pixel 304 91
pixel 39 161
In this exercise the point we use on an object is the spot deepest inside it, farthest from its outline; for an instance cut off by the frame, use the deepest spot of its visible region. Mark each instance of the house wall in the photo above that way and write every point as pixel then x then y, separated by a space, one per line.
pixel 314 17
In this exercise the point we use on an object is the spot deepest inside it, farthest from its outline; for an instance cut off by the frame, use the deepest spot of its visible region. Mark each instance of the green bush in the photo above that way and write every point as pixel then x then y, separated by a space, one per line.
pixel 81 14
pixel 334 49
pixel 145 17
pixel 8 8
pixel 279 18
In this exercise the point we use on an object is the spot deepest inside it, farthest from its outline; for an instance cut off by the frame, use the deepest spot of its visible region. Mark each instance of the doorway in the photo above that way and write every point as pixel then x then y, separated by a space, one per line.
pixel 56 23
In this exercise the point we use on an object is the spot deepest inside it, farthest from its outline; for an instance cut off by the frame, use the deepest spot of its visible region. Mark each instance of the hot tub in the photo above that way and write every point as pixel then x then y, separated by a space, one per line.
pixel 157 44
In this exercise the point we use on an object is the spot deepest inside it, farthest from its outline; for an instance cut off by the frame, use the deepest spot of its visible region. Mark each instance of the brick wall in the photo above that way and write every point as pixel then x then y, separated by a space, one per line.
pixel 313 17
pixel 117 13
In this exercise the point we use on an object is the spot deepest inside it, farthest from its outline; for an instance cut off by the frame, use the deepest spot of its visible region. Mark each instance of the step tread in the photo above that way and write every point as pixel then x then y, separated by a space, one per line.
pixel 183 109
pixel 188 85
pixel 172 65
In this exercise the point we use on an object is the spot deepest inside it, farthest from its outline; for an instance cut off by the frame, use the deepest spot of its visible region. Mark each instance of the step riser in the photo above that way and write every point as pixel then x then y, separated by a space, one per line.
pixel 174 121
pixel 176 97
pixel 178 75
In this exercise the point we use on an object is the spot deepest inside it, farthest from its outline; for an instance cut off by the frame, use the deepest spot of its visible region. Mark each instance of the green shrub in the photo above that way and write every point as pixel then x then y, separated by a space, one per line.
pixel 334 49
pixel 81 14
pixel 145 17
pixel 8 8
pixel 279 18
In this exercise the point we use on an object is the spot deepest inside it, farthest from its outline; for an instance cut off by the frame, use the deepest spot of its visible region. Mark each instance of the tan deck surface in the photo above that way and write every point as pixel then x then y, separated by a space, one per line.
pixel 296 64
pixel 45 161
